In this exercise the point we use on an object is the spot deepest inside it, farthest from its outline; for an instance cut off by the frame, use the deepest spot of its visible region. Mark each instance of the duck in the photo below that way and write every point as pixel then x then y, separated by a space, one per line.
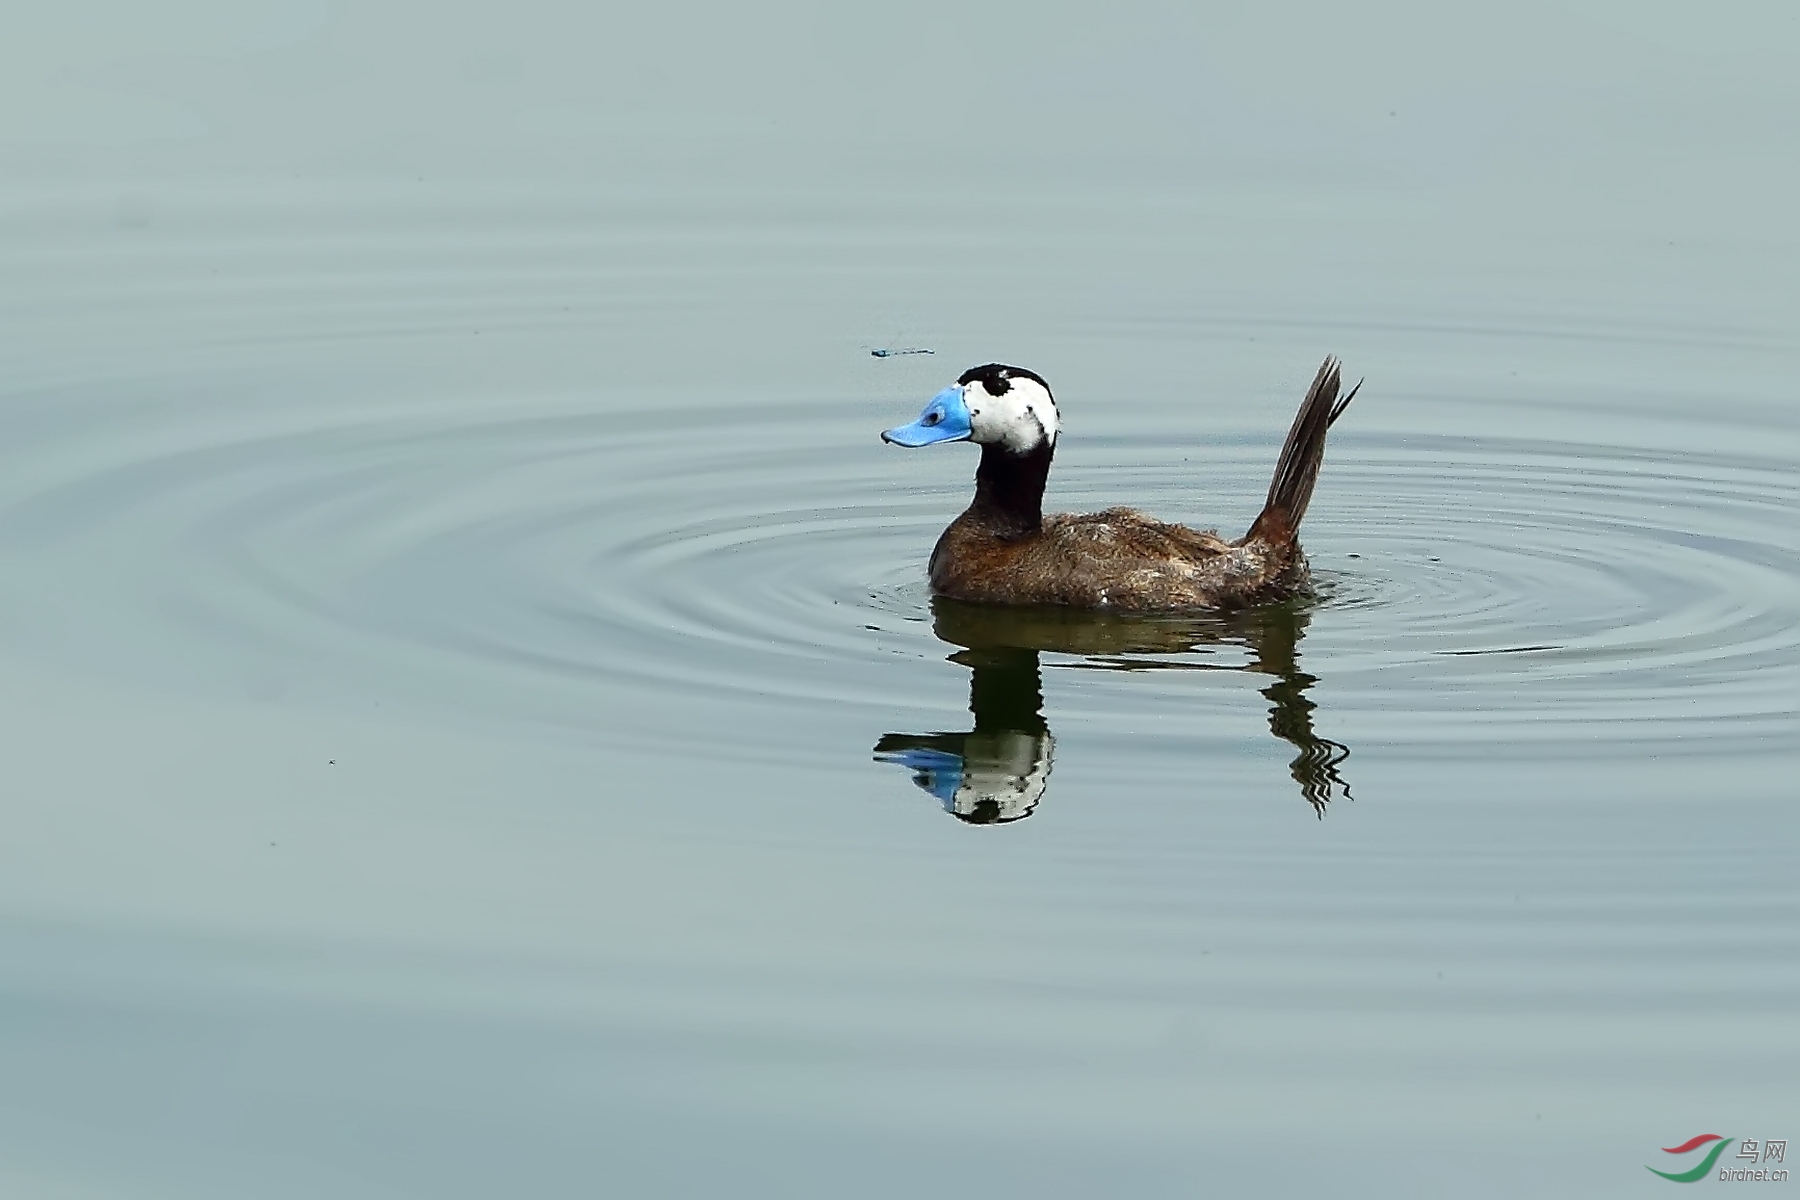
pixel 1004 550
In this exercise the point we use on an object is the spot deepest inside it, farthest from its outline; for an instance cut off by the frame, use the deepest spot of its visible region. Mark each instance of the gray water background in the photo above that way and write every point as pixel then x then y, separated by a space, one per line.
pixel 450 588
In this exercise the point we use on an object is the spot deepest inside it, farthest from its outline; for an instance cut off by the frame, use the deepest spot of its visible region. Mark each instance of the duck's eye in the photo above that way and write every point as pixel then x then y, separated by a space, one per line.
pixel 932 417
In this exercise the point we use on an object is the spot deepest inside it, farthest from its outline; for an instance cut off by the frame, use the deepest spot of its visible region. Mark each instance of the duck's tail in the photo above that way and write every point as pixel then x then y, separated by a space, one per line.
pixel 1297 470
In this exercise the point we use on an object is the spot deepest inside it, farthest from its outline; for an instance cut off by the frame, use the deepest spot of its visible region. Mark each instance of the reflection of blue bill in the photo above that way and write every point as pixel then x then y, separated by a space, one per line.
pixel 984 777
pixel 886 353
pixel 937 771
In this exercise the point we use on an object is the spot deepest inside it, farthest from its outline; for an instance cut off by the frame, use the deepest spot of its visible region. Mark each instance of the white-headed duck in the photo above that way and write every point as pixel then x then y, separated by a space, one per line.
pixel 1004 550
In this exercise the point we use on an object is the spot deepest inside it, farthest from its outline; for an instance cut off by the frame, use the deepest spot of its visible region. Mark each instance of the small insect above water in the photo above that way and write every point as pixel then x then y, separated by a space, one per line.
pixel 886 353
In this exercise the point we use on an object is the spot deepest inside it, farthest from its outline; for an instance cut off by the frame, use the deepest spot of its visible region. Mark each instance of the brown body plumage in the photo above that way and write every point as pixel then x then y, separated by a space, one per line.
pixel 1119 559
pixel 1004 550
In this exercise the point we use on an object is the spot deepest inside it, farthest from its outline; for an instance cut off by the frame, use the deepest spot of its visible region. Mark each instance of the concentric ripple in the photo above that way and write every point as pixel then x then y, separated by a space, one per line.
pixel 1573 593
pixel 696 575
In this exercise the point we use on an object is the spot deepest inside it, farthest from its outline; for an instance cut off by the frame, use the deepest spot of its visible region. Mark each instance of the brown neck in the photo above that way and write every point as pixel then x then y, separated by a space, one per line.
pixel 1009 489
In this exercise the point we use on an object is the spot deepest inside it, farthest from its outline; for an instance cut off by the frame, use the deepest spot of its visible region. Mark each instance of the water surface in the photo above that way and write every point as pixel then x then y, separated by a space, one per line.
pixel 478 721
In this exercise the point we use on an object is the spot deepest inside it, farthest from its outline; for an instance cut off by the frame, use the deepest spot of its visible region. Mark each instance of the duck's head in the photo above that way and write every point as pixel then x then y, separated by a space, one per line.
pixel 993 405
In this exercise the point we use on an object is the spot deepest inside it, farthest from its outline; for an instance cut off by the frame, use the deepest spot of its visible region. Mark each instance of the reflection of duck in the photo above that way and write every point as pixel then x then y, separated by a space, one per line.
pixel 997 771
pixel 1004 550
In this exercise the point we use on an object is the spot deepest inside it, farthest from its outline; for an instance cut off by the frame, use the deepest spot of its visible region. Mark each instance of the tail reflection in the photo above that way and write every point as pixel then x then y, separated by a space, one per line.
pixel 997 772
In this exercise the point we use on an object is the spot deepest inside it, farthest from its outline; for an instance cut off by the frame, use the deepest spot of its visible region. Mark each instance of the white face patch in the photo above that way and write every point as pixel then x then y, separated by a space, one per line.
pixel 1022 418
pixel 1005 771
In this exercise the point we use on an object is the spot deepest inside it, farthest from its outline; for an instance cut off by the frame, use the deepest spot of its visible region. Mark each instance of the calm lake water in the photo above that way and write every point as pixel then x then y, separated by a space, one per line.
pixel 476 723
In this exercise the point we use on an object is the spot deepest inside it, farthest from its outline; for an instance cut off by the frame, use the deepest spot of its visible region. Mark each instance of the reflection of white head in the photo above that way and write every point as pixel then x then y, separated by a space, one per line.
pixel 1010 407
pixel 1003 775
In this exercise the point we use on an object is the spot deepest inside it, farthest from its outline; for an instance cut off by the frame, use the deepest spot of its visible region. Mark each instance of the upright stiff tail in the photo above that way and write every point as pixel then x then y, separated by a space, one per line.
pixel 1298 468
